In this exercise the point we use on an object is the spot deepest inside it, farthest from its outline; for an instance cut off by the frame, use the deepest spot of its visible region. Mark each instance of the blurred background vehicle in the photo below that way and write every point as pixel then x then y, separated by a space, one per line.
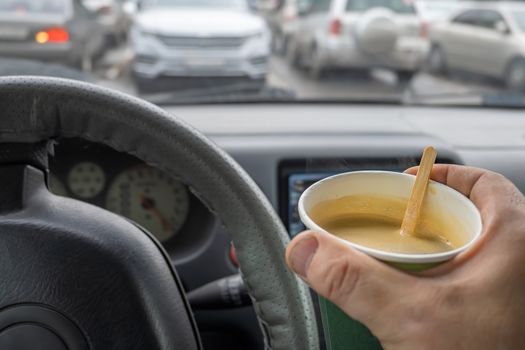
pixel 199 38
pixel 50 30
pixel 358 34
pixel 488 39
pixel 112 16
pixel 363 48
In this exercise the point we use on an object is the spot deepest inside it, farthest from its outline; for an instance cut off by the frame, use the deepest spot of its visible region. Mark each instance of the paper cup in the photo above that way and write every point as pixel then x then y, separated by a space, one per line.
pixel 439 198
pixel 342 332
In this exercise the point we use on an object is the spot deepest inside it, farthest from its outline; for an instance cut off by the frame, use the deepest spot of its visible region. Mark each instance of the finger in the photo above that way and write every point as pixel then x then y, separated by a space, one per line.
pixel 361 286
pixel 483 187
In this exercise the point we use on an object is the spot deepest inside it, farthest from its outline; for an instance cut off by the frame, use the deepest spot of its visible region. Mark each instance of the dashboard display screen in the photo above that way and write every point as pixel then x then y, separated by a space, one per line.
pixel 296 176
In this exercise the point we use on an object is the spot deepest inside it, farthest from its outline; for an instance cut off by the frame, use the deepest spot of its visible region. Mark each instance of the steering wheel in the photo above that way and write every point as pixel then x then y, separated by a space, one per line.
pixel 80 277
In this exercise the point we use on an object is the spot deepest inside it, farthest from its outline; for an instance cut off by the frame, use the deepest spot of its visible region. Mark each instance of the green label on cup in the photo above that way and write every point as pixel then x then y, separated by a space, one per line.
pixel 345 333
pixel 342 332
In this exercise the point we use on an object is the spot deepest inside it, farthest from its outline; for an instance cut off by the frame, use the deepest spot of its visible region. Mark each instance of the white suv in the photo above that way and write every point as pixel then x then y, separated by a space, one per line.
pixel 198 38
pixel 359 34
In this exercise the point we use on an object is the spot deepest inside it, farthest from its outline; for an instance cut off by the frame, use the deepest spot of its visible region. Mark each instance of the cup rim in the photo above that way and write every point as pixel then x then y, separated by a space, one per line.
pixel 390 256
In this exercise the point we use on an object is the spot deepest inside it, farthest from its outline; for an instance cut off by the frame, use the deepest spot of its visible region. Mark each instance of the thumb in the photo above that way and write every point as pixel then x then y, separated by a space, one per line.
pixel 364 288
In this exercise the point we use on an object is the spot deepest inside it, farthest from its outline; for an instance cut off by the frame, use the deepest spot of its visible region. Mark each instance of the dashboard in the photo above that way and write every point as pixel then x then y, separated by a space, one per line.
pixel 124 185
pixel 284 148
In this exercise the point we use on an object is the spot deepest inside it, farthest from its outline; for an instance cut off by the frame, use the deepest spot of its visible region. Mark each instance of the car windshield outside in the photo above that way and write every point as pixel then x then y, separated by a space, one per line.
pixel 226 51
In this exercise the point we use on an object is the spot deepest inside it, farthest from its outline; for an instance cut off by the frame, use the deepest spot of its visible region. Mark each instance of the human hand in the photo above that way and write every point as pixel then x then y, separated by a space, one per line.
pixel 474 301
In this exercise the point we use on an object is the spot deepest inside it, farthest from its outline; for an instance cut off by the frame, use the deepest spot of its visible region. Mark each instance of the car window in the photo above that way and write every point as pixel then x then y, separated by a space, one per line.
pixel 320 6
pixel 81 11
pixel 480 18
pixel 34 6
pixel 488 19
pixel 469 17
pixel 398 6
pixel 519 18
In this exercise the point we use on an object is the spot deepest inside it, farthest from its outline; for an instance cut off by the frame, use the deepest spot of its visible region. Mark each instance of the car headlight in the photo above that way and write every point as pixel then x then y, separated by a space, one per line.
pixel 260 36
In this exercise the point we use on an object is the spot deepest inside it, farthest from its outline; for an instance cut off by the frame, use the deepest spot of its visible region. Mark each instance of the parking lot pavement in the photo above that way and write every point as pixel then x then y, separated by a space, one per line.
pixel 114 72
pixel 379 83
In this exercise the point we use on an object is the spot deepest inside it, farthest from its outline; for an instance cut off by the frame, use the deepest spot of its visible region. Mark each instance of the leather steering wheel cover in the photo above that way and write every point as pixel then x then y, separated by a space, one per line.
pixel 37 108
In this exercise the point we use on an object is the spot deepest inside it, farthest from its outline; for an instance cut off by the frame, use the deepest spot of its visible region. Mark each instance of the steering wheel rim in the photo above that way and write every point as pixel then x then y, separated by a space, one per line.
pixel 40 108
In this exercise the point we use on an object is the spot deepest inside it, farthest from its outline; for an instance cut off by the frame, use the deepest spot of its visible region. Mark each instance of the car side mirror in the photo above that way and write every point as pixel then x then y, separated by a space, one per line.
pixel 502 28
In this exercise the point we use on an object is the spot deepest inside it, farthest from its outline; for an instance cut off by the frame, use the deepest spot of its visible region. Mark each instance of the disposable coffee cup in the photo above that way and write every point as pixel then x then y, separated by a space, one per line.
pixel 340 331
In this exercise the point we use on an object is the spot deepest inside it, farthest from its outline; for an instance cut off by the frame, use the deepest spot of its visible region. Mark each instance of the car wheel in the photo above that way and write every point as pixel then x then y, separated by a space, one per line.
pixel 436 60
pixel 314 65
pixel 404 77
pixel 515 75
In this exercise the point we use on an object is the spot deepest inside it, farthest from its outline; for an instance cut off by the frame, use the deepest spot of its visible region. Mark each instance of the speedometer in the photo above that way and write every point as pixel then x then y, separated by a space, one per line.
pixel 150 198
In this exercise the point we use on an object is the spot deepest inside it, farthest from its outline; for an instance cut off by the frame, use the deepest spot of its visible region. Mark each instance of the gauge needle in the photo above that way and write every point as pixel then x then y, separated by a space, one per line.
pixel 149 204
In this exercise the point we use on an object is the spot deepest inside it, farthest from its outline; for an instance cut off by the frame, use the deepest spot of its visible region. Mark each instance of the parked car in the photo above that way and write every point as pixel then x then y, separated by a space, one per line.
pixel 199 38
pixel 113 18
pixel 487 39
pixel 359 34
pixel 61 31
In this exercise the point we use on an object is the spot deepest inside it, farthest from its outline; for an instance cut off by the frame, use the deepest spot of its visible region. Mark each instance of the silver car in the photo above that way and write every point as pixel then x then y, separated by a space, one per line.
pixel 60 31
pixel 488 39
pixel 199 38
pixel 358 34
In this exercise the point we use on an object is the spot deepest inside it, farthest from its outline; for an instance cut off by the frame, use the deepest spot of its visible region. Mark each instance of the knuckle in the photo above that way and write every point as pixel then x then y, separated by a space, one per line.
pixel 339 279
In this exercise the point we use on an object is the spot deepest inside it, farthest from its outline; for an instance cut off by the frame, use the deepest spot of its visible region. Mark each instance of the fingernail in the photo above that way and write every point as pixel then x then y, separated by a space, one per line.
pixel 302 255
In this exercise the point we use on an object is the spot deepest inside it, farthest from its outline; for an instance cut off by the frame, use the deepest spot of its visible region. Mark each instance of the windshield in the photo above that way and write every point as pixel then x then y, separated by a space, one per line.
pixel 33 6
pixel 444 52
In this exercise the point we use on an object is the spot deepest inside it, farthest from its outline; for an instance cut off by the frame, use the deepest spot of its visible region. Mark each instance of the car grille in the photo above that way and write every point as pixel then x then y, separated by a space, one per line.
pixel 184 42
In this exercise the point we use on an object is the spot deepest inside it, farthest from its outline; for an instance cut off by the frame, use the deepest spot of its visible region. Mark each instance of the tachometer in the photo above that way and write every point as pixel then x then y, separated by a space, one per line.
pixel 150 198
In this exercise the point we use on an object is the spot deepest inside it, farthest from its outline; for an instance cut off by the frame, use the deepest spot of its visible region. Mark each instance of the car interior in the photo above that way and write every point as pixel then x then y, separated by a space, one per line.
pixel 135 220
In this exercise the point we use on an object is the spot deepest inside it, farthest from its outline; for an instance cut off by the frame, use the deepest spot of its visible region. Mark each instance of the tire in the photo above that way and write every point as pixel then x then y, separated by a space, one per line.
pixel 314 66
pixel 436 61
pixel 404 77
pixel 515 75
